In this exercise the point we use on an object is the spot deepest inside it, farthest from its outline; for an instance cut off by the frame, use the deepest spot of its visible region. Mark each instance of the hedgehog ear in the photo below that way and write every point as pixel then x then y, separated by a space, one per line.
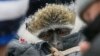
pixel 30 18
pixel 26 25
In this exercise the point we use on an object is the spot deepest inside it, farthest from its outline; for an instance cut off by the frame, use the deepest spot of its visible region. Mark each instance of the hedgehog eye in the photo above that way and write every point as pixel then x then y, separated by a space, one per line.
pixel 46 36
pixel 63 31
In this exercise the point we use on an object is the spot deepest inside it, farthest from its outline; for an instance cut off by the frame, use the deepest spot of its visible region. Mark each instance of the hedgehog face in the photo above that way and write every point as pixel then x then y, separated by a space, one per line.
pixel 53 24
pixel 55 36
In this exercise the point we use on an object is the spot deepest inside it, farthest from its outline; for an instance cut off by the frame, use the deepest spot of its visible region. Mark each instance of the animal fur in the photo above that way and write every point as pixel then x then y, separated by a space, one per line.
pixel 52 14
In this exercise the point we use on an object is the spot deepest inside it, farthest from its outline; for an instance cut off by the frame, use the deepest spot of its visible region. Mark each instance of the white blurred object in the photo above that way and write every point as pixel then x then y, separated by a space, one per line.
pixel 13 9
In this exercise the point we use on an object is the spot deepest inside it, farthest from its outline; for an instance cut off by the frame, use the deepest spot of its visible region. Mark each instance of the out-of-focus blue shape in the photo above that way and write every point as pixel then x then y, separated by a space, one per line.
pixel 4 40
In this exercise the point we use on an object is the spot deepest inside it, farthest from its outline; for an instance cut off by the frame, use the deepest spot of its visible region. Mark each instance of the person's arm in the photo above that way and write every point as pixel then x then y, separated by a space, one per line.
pixel 3 50
pixel 92 34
